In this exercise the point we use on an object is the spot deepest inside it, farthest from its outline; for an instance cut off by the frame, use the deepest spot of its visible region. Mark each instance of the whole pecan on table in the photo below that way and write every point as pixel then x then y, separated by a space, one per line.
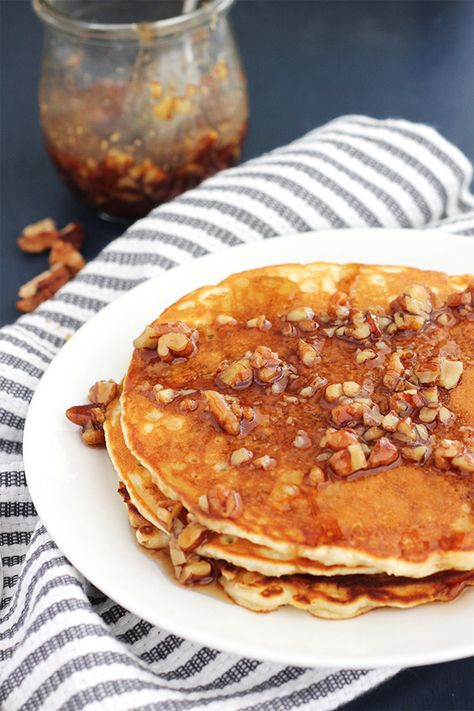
pixel 65 259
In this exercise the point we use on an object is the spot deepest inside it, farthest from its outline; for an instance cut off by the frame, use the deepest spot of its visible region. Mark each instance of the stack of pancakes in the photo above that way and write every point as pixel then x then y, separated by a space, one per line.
pixel 304 436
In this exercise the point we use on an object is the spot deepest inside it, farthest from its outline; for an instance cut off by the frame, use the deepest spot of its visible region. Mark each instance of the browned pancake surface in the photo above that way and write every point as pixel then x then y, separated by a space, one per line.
pixel 409 518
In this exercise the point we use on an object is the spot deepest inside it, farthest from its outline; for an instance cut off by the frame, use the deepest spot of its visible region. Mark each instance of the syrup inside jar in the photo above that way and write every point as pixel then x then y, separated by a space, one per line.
pixel 134 113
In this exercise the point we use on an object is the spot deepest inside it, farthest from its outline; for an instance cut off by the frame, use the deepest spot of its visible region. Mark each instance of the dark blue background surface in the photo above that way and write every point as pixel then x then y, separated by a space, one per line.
pixel 307 61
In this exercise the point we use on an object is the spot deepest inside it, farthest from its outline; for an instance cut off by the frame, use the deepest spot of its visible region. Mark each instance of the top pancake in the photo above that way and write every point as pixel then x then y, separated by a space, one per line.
pixel 409 519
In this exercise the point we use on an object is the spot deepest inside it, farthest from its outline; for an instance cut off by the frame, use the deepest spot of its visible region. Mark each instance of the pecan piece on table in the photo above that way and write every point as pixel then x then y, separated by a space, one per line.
pixel 72 234
pixel 64 253
pixel 38 237
pixel 42 287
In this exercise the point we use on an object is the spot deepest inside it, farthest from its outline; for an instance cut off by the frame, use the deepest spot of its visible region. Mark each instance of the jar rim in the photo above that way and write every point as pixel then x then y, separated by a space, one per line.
pixel 53 17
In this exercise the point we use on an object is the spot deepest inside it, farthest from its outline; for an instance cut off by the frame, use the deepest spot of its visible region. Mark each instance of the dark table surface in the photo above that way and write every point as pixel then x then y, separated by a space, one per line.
pixel 307 61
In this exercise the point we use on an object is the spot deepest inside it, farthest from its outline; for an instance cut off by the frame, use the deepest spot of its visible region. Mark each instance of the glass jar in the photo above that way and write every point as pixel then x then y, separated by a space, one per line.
pixel 136 110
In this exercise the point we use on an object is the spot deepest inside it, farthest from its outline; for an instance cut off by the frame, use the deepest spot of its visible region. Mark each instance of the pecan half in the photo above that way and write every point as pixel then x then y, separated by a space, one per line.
pixel 64 253
pixel 42 287
pixel 91 418
pixel 72 234
pixel 38 237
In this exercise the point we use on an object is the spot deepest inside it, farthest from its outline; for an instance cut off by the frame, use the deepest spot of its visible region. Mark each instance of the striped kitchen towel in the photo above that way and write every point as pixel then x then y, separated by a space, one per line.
pixel 63 645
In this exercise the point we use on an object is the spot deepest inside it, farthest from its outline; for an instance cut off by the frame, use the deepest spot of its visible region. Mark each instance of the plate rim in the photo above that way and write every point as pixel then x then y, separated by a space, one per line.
pixel 175 627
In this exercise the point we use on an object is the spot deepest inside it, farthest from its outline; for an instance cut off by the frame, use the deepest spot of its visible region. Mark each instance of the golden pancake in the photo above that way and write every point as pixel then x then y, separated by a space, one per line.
pixel 339 597
pixel 263 589
pixel 150 503
pixel 277 411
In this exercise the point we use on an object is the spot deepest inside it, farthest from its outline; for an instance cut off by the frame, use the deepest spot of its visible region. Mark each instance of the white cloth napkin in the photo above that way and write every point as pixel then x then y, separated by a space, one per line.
pixel 62 644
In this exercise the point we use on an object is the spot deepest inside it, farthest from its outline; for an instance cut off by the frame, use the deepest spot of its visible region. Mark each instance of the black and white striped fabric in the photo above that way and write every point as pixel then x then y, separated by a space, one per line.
pixel 62 644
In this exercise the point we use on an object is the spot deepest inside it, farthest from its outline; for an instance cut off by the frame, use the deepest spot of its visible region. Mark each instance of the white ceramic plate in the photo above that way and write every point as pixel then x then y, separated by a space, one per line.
pixel 74 487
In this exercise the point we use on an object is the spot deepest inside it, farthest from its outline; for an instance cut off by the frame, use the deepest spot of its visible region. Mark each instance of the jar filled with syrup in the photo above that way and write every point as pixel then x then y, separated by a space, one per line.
pixel 139 102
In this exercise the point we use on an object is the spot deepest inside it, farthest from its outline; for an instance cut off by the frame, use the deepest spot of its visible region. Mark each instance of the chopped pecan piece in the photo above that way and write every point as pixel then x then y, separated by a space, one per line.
pixel 147 339
pixel 315 476
pixel 428 414
pixel 300 313
pixel 307 353
pixel 383 453
pixel 38 237
pixel 263 357
pixel 72 234
pixel 103 392
pixel 350 388
pixel 338 306
pixel 441 370
pixel 445 416
pixel 406 431
pixel 415 454
pixel 451 371
pixel 149 536
pixel 394 371
pixel 222 412
pixel 240 456
pixel 270 369
pixel 390 422
pixel 417 300
pixel 359 327
pixel 173 341
pixel 225 320
pixel 64 253
pixel 42 287
pixel 373 433
pixel 465 462
pixel 188 404
pixel 428 371
pixel 259 322
pixel 167 511
pixel 338 439
pixel 406 401
pixel 333 392
pixel 446 451
pixel 463 301
pixel 191 536
pixel 365 354
pixel 349 412
pixel 224 502
pixel 238 375
pixel 349 460
pixel 174 345
pixel 302 440
pixel 265 462
pixel 288 329
pixel 195 570
pixel 164 395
